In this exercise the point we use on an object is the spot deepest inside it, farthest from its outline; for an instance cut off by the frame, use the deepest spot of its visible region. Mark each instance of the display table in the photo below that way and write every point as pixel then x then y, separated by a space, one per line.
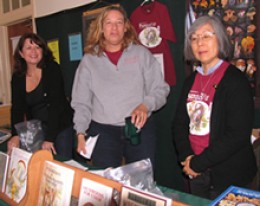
pixel 182 197
pixel 186 198
pixel 177 195
pixel 36 165
pixel 3 203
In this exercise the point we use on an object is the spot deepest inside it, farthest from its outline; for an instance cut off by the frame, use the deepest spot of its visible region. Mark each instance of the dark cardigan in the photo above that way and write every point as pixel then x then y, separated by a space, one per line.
pixel 230 154
pixel 59 111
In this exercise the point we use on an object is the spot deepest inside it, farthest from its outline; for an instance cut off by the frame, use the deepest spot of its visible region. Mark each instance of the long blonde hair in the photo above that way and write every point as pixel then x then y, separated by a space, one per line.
pixel 95 38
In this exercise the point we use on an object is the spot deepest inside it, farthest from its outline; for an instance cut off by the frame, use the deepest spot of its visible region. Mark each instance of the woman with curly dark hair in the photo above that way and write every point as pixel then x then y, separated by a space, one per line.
pixel 38 93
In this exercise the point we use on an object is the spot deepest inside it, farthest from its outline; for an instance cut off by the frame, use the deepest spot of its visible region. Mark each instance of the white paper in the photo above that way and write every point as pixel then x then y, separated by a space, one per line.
pixel 74 163
pixel 253 138
pixel 90 144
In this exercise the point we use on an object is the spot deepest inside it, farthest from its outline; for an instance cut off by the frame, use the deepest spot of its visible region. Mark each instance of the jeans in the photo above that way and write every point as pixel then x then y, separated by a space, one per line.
pixel 65 143
pixel 112 145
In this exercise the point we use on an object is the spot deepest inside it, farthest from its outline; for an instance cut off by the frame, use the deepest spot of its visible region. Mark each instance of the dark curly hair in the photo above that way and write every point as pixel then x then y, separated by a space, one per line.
pixel 20 65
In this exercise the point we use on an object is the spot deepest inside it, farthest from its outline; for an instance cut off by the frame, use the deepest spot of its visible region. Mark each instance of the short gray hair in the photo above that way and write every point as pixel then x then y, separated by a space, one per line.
pixel 221 34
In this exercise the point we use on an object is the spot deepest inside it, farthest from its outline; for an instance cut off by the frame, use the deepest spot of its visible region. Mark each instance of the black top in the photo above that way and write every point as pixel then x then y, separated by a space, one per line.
pixel 229 155
pixel 59 112
pixel 37 104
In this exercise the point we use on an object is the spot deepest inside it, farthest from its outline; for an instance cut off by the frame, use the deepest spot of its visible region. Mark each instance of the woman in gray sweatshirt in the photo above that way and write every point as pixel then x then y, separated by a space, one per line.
pixel 117 78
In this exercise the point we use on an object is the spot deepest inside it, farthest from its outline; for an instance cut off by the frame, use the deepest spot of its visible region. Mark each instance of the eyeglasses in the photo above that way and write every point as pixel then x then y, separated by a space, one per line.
pixel 204 37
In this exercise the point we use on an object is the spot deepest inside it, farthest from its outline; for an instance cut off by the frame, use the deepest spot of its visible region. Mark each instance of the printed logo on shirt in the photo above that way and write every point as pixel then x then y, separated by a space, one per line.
pixel 131 60
pixel 199 113
pixel 143 25
pixel 150 36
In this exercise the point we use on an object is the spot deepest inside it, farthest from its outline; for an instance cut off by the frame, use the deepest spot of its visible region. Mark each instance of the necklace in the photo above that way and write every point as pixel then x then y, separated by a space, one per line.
pixel 29 74
pixel 203 87
pixel 33 78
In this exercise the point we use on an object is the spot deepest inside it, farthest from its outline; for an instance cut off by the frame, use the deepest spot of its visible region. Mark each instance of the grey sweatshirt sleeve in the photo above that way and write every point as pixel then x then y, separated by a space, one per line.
pixel 81 98
pixel 156 89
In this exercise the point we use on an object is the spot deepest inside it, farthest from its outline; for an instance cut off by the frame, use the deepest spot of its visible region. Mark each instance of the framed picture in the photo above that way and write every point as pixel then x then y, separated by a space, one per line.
pixel 88 17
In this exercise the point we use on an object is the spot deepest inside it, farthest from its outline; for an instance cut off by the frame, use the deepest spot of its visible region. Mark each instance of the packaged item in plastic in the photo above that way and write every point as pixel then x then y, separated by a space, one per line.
pixel 137 174
pixel 31 135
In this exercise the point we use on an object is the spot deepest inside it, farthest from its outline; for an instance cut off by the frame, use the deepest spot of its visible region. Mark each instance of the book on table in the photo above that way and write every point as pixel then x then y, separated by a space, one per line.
pixel 137 197
pixel 4 160
pixel 56 185
pixel 16 182
pixel 94 193
pixel 237 196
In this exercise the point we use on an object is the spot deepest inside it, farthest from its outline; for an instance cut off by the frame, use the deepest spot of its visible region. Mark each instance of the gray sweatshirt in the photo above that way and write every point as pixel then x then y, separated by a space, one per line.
pixel 107 93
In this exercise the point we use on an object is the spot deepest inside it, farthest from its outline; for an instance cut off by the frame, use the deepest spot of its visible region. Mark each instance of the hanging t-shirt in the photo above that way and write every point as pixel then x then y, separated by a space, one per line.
pixel 154 28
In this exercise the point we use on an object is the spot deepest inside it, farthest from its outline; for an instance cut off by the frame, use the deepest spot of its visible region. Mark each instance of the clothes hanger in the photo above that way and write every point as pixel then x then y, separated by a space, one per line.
pixel 146 1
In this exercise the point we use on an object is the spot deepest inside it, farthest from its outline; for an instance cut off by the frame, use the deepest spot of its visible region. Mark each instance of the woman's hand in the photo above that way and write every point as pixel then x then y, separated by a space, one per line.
pixel 139 116
pixel 13 142
pixel 186 168
pixel 49 146
pixel 81 144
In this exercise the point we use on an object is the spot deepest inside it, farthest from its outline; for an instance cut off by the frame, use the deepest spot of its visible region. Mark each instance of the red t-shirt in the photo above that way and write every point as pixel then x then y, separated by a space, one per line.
pixel 153 25
pixel 199 106
pixel 114 56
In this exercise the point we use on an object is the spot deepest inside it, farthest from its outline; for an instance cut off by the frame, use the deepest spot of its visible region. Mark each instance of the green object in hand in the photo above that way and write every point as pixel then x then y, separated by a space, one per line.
pixel 131 132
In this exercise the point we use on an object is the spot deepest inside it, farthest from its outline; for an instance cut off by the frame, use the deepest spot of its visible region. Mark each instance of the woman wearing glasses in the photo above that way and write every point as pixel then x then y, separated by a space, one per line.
pixel 214 118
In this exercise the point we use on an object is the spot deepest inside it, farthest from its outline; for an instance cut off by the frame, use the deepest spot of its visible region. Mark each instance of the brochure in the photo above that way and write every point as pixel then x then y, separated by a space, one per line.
pixel 237 196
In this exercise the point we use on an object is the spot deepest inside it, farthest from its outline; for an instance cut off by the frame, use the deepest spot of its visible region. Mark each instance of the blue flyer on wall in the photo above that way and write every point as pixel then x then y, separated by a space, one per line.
pixel 75 47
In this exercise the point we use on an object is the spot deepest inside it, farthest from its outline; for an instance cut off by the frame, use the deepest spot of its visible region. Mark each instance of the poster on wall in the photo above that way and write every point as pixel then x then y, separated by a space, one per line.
pixel 75 47
pixel 239 18
pixel 54 47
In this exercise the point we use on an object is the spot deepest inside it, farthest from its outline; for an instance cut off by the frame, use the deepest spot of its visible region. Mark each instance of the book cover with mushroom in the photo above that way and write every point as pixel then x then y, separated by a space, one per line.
pixel 17 174
pixel 56 185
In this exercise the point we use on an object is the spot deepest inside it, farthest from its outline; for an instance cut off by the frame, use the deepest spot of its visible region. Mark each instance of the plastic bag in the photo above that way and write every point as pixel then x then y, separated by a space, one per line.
pixel 137 174
pixel 31 135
